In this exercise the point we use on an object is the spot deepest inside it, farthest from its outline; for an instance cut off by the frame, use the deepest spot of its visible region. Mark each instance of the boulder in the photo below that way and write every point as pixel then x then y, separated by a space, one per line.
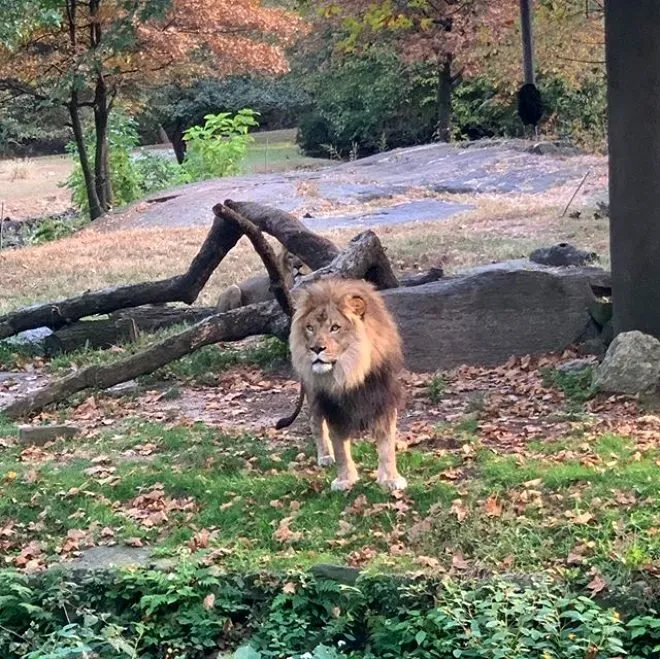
pixel 487 315
pixel 562 254
pixel 631 364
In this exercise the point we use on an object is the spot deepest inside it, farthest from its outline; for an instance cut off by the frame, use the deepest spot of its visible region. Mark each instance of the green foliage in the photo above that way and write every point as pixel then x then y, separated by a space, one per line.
pixel 218 147
pixel 131 177
pixel 193 610
pixel 215 149
pixel 365 104
pixel 436 388
pixel 54 228
pixel 279 101
pixel 577 386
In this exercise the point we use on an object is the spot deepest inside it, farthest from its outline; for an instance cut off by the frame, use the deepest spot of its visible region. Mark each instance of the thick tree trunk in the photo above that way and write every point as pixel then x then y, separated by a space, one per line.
pixel 95 209
pixel 174 133
pixel 444 94
pixel 633 81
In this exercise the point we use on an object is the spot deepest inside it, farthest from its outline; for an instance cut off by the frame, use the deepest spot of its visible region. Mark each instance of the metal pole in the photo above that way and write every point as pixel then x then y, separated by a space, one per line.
pixel 527 40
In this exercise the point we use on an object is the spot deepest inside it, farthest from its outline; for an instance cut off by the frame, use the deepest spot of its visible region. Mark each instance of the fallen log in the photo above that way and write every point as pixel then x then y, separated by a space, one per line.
pixel 357 259
pixel 180 288
pixel 363 258
pixel 265 318
pixel 122 326
pixel 265 251
pixel 313 249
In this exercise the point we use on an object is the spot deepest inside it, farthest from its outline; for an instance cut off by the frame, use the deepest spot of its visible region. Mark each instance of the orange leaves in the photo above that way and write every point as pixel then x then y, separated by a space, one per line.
pixel 214 37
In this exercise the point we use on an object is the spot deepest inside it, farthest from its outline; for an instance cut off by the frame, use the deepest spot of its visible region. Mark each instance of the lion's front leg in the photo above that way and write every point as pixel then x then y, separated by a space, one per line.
pixel 324 453
pixel 385 435
pixel 347 474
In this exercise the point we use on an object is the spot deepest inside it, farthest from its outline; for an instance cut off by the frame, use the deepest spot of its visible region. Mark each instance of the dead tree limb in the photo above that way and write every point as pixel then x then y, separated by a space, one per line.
pixel 314 250
pixel 121 327
pixel 264 318
pixel 265 251
pixel 363 258
pixel 181 288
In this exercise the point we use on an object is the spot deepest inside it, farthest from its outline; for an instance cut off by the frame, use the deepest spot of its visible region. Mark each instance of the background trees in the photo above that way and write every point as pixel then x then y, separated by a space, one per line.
pixel 87 55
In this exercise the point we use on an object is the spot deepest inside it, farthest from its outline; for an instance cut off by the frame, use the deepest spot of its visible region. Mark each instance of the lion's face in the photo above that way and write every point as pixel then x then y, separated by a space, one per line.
pixel 295 266
pixel 340 331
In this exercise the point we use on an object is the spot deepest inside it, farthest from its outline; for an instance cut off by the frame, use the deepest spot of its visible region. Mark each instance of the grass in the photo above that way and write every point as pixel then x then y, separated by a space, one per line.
pixel 270 506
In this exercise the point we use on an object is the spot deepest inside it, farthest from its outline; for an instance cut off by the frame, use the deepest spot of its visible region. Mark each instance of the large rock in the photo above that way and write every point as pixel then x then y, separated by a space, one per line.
pixel 489 314
pixel 631 364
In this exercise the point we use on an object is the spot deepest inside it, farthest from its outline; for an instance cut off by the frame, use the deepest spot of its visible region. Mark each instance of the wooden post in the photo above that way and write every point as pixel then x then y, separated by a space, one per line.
pixel 633 95
pixel 527 40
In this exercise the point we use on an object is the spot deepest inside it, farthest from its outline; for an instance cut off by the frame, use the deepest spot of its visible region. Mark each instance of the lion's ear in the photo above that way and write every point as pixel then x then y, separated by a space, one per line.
pixel 356 305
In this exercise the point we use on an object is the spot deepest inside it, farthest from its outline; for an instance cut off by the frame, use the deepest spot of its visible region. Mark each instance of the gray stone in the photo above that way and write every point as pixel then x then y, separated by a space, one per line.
pixel 103 558
pixel 130 388
pixel 577 365
pixel 631 364
pixel 562 254
pixel 40 435
pixel 487 316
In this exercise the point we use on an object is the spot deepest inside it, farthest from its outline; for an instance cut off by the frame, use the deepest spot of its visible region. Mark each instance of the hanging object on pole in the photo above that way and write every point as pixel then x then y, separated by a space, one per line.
pixel 530 104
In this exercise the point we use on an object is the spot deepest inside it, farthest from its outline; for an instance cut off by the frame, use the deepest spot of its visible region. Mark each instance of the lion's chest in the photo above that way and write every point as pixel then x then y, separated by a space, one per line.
pixel 358 409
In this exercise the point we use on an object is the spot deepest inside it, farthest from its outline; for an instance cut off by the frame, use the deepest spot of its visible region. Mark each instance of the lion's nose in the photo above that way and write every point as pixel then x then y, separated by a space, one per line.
pixel 317 349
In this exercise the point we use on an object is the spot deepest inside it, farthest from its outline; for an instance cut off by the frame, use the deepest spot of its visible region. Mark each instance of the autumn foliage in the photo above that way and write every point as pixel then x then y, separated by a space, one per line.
pixel 86 55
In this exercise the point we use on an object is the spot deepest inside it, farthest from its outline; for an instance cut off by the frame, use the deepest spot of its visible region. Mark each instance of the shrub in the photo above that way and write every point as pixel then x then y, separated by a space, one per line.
pixel 131 177
pixel 194 609
pixel 218 147
pixel 369 103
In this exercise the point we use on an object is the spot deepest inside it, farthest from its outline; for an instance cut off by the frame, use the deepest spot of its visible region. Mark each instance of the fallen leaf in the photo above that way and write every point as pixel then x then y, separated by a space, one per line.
pixel 458 508
pixel 492 507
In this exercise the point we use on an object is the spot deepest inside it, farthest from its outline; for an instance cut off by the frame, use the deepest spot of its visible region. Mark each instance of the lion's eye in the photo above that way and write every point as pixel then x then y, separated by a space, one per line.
pixel 334 328
pixel 309 328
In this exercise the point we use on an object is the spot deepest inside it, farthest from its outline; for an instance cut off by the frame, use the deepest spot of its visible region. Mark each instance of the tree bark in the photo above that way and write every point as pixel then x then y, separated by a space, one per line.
pixel 174 132
pixel 265 318
pixel 181 288
pixel 122 327
pixel 633 81
pixel 314 250
pixel 95 209
pixel 101 156
pixel 444 93
pixel 527 41
pixel 363 258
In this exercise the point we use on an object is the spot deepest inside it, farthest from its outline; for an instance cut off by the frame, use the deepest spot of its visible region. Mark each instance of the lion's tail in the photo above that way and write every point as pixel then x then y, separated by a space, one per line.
pixel 288 420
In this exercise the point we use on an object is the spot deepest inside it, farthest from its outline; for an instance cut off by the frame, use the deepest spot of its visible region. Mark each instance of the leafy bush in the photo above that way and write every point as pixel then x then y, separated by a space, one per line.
pixel 218 147
pixel 368 103
pixel 194 609
pixel 215 149
pixel 131 177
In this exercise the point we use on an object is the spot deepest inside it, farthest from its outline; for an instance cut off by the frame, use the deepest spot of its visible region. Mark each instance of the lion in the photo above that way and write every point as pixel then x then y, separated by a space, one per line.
pixel 346 349
pixel 257 289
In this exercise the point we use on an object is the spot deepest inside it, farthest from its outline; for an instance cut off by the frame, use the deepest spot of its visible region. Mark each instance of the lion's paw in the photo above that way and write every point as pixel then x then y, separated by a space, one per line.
pixel 339 485
pixel 392 484
pixel 325 460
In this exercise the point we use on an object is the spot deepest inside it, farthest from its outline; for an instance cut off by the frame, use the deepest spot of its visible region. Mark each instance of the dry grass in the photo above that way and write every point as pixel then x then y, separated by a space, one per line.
pixel 500 228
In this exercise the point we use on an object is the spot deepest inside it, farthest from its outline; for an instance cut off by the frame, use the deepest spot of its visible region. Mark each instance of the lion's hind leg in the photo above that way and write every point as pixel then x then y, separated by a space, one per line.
pixel 385 435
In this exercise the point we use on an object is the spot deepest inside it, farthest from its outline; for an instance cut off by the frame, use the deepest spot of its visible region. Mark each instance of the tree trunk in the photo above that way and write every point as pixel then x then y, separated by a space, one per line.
pixel 633 88
pixel 95 208
pixel 443 99
pixel 101 161
pixel 527 41
pixel 175 135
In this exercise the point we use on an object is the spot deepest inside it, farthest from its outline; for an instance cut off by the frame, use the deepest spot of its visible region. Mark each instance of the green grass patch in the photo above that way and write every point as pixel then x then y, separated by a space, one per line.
pixel 436 388
pixel 271 506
